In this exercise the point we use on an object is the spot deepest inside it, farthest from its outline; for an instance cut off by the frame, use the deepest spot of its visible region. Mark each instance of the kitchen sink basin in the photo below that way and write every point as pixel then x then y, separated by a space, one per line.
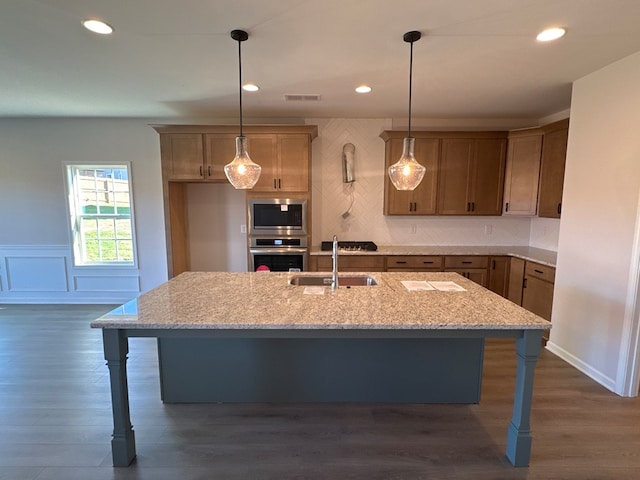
pixel 343 280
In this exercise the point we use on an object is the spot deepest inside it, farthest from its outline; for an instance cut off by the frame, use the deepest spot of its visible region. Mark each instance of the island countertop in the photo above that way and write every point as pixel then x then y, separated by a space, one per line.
pixel 538 255
pixel 266 301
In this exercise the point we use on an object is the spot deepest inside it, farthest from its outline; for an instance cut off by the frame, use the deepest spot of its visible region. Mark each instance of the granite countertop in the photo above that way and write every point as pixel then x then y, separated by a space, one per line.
pixel 544 257
pixel 265 300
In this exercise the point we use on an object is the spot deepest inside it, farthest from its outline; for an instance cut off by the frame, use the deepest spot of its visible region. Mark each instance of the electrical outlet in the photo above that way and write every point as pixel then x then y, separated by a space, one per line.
pixel 488 229
pixel 243 228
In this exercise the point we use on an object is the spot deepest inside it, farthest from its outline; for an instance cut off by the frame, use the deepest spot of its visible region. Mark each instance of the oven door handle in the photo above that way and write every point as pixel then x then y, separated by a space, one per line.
pixel 278 250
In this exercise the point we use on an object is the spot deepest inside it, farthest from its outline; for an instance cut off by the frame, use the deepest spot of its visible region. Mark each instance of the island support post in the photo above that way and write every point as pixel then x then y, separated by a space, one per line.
pixel 519 432
pixel 123 443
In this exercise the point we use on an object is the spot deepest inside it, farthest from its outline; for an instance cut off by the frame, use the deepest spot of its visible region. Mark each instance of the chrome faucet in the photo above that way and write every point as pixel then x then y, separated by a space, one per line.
pixel 334 258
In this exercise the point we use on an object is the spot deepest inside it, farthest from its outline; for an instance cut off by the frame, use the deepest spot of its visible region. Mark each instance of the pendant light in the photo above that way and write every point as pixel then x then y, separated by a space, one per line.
pixel 407 173
pixel 241 172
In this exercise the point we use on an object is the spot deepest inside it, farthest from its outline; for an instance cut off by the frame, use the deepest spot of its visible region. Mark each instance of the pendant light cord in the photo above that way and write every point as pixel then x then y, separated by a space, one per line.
pixel 240 80
pixel 410 87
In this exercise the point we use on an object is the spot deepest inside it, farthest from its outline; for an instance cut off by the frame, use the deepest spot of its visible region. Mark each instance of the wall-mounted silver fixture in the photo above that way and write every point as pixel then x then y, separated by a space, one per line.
pixel 348 163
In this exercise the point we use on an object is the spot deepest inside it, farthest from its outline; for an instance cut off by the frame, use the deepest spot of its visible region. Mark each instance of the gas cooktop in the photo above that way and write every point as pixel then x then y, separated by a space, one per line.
pixel 350 245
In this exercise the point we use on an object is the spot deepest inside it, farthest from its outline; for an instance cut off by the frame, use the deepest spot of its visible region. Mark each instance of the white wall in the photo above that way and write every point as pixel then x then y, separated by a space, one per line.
pixel 331 197
pixel 35 247
pixel 593 298
pixel 216 214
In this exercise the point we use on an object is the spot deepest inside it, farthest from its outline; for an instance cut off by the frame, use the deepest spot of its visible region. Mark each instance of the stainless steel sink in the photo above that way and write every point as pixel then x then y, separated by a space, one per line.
pixel 343 280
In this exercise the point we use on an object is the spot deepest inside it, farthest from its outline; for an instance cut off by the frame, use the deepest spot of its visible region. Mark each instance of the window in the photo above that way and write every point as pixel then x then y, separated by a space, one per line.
pixel 101 214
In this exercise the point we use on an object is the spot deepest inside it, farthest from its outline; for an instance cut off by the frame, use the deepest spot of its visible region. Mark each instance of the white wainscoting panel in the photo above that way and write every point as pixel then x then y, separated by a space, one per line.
pixel 36 274
pixel 46 274
pixel 106 283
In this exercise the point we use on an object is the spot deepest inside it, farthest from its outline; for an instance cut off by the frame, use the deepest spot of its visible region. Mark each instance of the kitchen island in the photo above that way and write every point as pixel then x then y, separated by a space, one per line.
pixel 265 306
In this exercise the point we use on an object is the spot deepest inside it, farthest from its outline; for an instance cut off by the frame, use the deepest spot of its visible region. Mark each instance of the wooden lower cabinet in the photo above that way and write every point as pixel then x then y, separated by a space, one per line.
pixel 537 290
pixel 516 279
pixel 499 275
pixel 473 267
pixel 349 263
pixel 414 263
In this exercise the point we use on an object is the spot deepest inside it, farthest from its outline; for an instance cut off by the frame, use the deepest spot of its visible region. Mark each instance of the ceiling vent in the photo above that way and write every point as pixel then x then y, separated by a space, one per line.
pixel 302 97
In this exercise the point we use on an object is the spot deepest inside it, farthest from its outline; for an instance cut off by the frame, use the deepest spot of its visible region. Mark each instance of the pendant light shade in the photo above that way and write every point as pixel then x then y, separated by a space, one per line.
pixel 407 173
pixel 242 172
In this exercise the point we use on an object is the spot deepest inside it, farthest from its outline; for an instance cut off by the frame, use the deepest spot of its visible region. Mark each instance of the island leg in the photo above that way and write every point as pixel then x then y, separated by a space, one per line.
pixel 519 433
pixel 123 444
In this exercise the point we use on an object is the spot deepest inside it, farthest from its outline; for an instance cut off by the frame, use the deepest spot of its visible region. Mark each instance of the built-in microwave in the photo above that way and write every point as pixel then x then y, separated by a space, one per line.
pixel 277 216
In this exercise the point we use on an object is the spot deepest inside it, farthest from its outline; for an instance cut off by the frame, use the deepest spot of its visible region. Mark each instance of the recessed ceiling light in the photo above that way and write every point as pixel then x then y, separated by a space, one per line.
pixel 97 26
pixel 363 89
pixel 250 87
pixel 551 34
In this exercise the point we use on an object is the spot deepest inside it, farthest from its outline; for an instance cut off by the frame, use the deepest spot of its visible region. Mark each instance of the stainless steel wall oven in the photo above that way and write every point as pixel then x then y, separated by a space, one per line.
pixel 281 254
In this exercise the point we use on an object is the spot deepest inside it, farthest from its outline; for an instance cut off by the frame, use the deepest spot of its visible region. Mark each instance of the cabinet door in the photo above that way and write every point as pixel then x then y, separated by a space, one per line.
pixel 554 153
pixel 521 179
pixel 456 161
pixel 263 150
pixel 499 275
pixel 220 149
pixel 488 176
pixel 182 156
pixel 422 200
pixel 293 155
pixel 477 275
pixel 537 296
pixel 516 279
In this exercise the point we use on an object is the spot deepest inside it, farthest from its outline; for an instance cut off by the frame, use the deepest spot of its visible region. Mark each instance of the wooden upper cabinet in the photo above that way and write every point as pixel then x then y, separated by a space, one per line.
pixel 523 170
pixel 287 168
pixel 182 156
pixel 471 176
pixel 488 176
pixel 422 200
pixel 554 153
pixel 456 164
pixel 263 150
pixel 220 149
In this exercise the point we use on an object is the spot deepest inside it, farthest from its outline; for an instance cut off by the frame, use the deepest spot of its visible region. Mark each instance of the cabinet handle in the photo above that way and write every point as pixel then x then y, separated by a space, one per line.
pixel 274 184
pixel 279 184
pixel 473 206
pixel 399 262
pixel 468 206
pixel 466 263
pixel 506 207
pixel 428 263
pixel 493 264
pixel 524 283
pixel 559 208
pixel 209 170
pixel 201 170
pixel 538 271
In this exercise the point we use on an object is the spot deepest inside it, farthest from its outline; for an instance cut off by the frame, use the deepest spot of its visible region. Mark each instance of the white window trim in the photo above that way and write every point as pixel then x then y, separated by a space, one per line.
pixel 71 229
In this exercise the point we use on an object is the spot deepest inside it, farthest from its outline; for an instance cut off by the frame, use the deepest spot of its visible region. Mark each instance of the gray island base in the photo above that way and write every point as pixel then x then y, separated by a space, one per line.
pixel 246 313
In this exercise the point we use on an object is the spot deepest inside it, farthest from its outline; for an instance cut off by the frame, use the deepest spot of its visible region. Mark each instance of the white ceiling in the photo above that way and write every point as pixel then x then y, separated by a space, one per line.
pixel 172 59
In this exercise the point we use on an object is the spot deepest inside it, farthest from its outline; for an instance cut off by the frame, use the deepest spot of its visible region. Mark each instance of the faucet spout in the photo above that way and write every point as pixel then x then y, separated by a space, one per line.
pixel 334 258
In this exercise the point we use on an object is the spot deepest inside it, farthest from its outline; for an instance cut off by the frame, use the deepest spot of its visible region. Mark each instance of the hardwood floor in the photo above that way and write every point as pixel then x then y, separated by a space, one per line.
pixel 56 421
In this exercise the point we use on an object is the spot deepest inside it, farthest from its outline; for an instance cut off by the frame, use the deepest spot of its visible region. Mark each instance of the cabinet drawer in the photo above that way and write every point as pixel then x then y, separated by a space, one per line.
pixel 414 261
pixel 459 261
pixel 542 272
pixel 353 263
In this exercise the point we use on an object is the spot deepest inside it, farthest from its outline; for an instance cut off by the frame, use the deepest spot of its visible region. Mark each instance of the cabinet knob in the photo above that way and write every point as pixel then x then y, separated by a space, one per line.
pixel 209 170
pixel 201 170
pixel 559 208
